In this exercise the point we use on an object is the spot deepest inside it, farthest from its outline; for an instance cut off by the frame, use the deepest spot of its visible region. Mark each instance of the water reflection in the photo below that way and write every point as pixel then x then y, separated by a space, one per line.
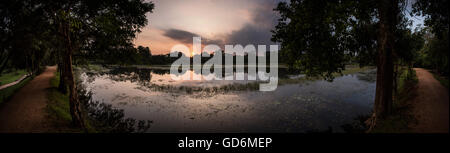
pixel 291 108
pixel 162 77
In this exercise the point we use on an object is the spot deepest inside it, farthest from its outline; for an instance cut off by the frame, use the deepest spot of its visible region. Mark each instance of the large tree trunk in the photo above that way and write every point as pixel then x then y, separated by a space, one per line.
pixel 396 73
pixel 387 11
pixel 62 83
pixel 75 107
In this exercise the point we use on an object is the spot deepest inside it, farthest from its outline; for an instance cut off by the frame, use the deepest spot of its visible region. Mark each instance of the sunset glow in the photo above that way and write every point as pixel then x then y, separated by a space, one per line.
pixel 216 21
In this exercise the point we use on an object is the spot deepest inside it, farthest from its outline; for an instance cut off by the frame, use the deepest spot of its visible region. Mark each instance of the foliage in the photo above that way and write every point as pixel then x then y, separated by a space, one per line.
pixel 101 117
pixel 33 31
pixel 435 53
pixel 320 37
pixel 436 15
pixel 104 30
pixel 315 35
pixel 129 56
pixel 106 119
pixel 408 45
pixel 442 79
pixel 24 34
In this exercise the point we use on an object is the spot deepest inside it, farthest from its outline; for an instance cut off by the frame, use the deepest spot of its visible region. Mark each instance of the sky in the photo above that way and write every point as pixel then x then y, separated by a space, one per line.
pixel 215 21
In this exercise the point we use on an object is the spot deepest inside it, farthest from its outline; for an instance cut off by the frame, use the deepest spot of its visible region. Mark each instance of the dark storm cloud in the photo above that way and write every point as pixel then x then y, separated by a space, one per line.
pixel 186 37
pixel 257 32
pixel 250 34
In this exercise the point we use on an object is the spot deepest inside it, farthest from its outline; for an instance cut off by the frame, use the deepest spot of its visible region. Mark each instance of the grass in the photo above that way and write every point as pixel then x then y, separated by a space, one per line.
pixel 442 79
pixel 401 117
pixel 58 109
pixel 7 93
pixel 6 78
pixel 58 105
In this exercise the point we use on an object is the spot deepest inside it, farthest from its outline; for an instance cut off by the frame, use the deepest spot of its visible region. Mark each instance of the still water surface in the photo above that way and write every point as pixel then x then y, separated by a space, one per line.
pixel 301 107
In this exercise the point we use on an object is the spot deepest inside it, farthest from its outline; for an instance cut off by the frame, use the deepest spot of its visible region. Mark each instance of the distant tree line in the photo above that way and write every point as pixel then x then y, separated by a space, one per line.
pixel 123 56
pixel 143 56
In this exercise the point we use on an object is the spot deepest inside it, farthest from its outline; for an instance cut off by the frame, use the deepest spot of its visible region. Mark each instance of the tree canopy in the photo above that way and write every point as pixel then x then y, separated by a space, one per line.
pixel 320 37
pixel 58 30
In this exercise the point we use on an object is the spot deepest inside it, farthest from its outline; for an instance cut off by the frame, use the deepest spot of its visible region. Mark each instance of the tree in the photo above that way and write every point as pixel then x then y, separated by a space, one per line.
pixel 318 36
pixel 436 14
pixel 23 31
pixel 92 27
pixel 437 18
pixel 145 54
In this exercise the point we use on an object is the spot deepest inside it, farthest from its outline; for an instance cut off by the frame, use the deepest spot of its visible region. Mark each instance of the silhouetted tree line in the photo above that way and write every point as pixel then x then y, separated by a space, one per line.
pixel 142 56
pixel 123 56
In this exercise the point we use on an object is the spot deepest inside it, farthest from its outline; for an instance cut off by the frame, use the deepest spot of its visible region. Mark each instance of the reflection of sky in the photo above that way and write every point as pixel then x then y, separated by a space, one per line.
pixel 216 21
pixel 291 108
pixel 205 80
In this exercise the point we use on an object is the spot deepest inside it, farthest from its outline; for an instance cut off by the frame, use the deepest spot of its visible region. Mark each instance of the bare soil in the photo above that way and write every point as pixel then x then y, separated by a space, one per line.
pixel 25 112
pixel 430 106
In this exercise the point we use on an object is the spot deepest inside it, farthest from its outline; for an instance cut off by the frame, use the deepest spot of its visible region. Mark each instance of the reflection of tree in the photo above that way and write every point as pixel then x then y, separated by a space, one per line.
pixel 160 71
pixel 138 75
pixel 90 77
pixel 143 76
pixel 370 76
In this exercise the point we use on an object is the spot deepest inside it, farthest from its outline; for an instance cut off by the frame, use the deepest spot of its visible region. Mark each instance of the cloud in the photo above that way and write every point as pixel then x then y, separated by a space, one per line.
pixel 250 34
pixel 257 32
pixel 186 37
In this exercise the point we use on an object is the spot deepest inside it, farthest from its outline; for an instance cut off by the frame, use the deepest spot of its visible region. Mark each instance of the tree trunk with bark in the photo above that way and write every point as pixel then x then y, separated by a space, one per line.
pixel 395 83
pixel 62 83
pixel 75 107
pixel 387 11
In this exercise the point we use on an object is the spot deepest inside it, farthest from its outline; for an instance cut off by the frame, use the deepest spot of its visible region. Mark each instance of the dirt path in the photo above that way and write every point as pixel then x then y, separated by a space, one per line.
pixel 25 111
pixel 430 107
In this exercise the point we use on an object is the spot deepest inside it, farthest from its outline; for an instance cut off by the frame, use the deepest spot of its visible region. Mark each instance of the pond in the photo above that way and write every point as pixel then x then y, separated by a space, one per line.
pixel 176 106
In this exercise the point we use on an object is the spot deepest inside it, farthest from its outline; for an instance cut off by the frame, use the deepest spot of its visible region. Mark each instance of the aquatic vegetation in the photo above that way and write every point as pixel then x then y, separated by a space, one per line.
pixel 105 118
pixel 144 77
pixel 299 104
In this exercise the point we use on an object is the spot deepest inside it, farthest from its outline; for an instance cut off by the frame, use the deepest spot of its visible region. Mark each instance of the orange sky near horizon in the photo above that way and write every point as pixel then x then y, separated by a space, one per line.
pixel 209 19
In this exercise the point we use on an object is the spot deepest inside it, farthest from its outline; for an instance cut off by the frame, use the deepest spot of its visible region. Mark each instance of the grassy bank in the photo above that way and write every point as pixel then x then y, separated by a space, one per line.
pixel 58 109
pixel 6 78
pixel 442 79
pixel 401 116
pixel 7 93
pixel 98 117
